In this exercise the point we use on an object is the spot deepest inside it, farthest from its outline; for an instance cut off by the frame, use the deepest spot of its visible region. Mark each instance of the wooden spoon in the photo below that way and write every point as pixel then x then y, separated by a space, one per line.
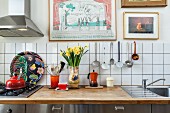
pixel 135 56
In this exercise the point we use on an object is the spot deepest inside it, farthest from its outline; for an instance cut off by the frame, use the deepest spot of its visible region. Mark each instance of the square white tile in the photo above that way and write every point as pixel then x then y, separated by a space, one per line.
pixel 157 58
pixel 167 80
pixel 103 79
pixel 115 70
pixel 166 69
pixel 48 80
pixel 84 69
pixel 51 59
pixel 2 78
pixel 147 58
pixel 64 78
pixel 62 46
pixel 126 79
pixel 2 58
pixel 147 48
pixel 117 79
pixel 157 69
pixel 7 77
pixel 7 69
pixel 72 44
pixel 41 47
pixel 147 69
pixel 2 50
pixel 105 47
pixel 9 58
pixel 51 47
pixel 85 59
pixel 84 80
pixel 166 48
pixel 2 69
pixel 166 58
pixel 9 47
pixel 136 79
pixel 126 70
pixel 157 47
pixel 105 71
pixel 31 47
pixel 137 69
pixel 20 47
pixel 115 47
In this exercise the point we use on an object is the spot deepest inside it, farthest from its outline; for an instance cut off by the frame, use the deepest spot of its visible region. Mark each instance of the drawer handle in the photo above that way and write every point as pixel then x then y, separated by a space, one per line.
pixel 59 108
pixel 119 108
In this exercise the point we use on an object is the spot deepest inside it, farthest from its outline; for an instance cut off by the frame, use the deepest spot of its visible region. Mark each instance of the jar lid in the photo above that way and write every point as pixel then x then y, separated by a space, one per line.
pixel 109 78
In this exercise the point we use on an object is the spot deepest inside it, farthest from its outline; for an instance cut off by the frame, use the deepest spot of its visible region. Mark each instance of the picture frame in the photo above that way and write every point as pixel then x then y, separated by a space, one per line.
pixel 77 20
pixel 143 3
pixel 141 25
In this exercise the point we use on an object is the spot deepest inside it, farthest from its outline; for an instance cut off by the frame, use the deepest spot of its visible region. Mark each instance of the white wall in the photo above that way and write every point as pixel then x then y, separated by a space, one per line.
pixel 40 17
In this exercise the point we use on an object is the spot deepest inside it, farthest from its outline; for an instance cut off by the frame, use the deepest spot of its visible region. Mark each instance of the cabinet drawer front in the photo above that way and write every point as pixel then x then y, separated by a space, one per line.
pixel 15 108
pixel 119 108
pixel 44 108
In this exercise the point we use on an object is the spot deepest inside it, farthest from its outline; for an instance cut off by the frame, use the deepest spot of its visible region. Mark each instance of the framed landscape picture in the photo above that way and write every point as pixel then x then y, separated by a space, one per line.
pixel 144 3
pixel 141 25
pixel 82 20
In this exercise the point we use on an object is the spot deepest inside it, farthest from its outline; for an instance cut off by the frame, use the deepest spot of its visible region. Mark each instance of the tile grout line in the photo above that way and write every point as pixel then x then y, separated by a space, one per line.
pixel 163 63
pixel 4 60
pixel 46 62
pixel 152 62
pixel 142 60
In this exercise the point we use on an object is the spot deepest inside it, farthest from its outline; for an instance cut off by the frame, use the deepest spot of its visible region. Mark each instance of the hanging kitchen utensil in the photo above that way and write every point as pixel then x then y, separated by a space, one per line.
pixel 119 63
pixel 62 64
pixel 111 51
pixel 96 63
pixel 135 56
pixel 32 65
pixel 104 65
pixel 128 62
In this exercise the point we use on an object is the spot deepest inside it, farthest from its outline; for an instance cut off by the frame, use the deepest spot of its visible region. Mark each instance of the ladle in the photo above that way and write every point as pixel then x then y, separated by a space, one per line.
pixel 111 51
pixel 96 63
pixel 119 63
pixel 128 62
pixel 135 56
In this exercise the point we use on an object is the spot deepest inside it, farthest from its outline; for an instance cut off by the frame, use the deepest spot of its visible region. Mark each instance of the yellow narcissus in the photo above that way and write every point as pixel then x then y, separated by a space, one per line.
pixel 73 55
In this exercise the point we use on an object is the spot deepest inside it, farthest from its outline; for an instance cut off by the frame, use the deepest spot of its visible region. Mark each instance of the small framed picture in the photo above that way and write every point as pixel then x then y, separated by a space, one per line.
pixel 144 3
pixel 141 25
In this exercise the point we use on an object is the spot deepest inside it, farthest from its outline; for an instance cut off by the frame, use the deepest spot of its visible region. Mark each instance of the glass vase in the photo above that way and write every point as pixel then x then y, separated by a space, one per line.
pixel 74 78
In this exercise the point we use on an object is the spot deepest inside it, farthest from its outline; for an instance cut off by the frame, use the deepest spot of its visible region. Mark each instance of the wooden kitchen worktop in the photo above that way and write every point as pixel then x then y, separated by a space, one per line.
pixel 83 96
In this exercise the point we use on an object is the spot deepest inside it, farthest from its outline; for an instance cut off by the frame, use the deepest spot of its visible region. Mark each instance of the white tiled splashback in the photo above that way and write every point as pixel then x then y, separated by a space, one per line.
pixel 154 62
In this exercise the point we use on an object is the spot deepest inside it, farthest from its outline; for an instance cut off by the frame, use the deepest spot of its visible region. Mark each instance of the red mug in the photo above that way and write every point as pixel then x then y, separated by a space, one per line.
pixel 62 86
